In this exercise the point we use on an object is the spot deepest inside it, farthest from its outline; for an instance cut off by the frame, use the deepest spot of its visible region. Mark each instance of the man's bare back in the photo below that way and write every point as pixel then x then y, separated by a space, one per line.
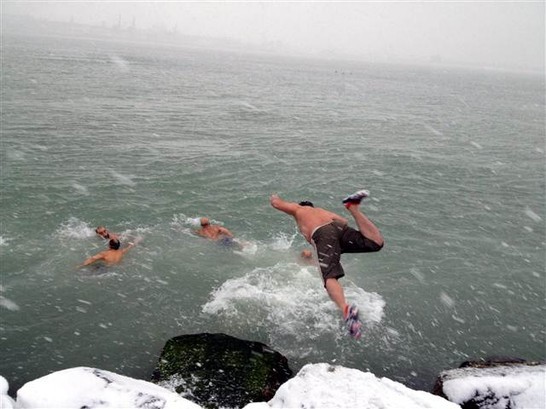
pixel 307 218
pixel 111 256
pixel 310 218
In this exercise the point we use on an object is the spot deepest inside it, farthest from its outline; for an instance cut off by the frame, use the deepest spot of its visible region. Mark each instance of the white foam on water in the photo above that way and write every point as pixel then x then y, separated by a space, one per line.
pixel 135 235
pixel 74 228
pixel 181 219
pixel 4 241
pixel 370 305
pixel 282 241
pixel 248 248
pixel 186 224
pixel 290 302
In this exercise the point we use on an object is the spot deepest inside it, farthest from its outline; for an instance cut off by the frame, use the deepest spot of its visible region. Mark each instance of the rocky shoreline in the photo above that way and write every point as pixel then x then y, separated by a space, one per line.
pixel 216 371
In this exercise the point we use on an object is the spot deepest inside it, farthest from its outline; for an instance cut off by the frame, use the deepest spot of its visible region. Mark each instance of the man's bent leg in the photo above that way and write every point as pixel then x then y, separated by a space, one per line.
pixel 366 227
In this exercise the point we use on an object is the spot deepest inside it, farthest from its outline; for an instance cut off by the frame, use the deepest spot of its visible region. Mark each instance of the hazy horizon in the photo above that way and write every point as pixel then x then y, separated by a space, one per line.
pixel 504 35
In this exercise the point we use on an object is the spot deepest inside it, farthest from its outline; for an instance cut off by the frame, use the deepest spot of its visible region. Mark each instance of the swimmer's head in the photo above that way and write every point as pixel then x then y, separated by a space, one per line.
pixel 307 254
pixel 306 203
pixel 204 221
pixel 101 231
pixel 114 244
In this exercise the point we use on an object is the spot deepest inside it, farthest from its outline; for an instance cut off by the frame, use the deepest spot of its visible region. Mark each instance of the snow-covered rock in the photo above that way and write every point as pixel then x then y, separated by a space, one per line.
pixel 326 386
pixel 257 405
pixel 5 401
pixel 511 386
pixel 315 386
pixel 94 388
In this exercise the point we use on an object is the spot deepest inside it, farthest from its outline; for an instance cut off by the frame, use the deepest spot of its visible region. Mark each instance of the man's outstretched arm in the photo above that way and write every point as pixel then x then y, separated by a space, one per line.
pixel 225 231
pixel 284 206
pixel 92 259
pixel 129 247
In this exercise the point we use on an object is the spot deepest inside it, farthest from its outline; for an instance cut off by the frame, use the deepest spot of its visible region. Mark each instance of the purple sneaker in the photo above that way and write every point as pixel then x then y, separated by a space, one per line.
pixel 353 323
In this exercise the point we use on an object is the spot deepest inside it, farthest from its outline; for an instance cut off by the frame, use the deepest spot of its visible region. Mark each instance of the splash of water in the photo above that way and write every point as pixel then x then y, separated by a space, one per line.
pixel 74 228
pixel 290 301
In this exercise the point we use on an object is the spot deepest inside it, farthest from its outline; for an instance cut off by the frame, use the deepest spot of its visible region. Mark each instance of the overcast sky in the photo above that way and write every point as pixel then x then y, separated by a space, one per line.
pixel 485 33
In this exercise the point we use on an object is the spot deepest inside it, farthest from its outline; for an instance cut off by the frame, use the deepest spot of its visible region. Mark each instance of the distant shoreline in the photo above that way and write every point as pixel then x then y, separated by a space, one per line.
pixel 30 26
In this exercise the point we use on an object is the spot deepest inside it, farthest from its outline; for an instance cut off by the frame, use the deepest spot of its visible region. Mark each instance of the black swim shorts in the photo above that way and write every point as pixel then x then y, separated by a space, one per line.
pixel 334 239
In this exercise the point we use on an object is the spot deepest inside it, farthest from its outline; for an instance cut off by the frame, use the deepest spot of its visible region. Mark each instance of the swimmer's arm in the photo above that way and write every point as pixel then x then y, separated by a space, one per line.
pixel 92 259
pixel 224 231
pixel 130 246
pixel 199 232
pixel 284 206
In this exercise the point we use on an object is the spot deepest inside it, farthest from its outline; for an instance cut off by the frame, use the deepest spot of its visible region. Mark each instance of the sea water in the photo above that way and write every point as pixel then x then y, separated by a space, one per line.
pixel 145 138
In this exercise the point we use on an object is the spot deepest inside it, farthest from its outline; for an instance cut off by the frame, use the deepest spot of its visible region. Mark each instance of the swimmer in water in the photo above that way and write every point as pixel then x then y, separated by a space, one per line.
pixel 216 233
pixel 113 255
pixel 105 234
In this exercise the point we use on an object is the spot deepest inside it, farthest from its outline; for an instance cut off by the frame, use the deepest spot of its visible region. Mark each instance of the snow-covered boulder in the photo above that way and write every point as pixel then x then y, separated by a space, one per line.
pixel 336 387
pixel 94 388
pixel 316 386
pixel 495 385
pixel 5 401
pixel 514 386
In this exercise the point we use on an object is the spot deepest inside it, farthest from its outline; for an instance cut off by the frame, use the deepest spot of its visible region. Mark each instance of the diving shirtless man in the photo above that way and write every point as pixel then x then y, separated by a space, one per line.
pixel 331 236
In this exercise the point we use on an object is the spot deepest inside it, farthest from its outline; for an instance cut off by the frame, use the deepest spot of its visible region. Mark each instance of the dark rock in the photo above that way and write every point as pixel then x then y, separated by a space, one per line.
pixel 494 361
pixel 217 370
